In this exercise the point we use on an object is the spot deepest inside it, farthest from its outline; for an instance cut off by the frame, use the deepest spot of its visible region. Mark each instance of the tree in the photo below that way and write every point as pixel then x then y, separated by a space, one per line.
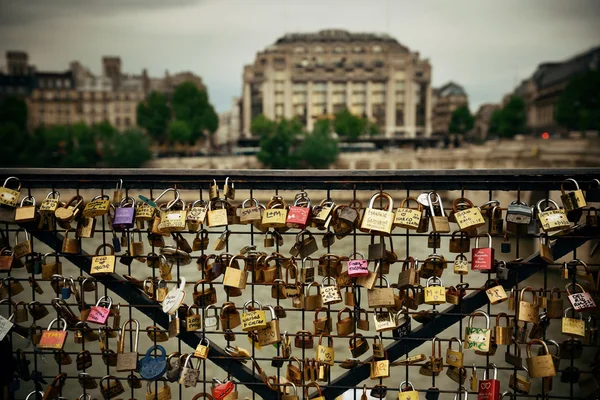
pixel 514 118
pixel 129 150
pixel 14 142
pixel 14 110
pixel 179 132
pixel 495 122
pixel 578 107
pixel 153 114
pixel 262 125
pixel 191 105
pixel 277 149
pixel 348 125
pixel 319 149
pixel 462 121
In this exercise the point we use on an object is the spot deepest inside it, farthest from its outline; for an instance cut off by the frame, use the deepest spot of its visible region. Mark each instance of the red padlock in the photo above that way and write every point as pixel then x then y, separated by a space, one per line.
pixel 357 267
pixel 221 390
pixel 299 212
pixel 482 258
pixel 99 314
pixel 489 389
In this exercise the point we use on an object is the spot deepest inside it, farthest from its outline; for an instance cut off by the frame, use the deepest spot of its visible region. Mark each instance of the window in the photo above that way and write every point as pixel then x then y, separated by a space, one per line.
pixel 279 61
pixel 59 83
pixel 299 87
pixel 318 49
pixel 279 97
pixel 67 83
pixel 319 86
pixel 338 50
pixel 358 49
pixel 378 63
pixel 377 49
pixel 127 122
pixel 299 49
pixel 279 86
pixel 278 110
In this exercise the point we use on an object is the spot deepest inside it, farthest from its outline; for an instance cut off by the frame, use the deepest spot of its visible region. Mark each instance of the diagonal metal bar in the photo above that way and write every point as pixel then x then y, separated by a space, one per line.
pixel 123 288
pixel 469 304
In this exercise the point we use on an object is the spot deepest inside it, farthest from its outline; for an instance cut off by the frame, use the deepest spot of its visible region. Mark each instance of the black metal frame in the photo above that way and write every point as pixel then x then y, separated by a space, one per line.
pixel 488 180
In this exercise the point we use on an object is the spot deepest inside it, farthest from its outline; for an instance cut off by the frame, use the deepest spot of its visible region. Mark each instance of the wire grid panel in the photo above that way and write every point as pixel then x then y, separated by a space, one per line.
pixel 133 304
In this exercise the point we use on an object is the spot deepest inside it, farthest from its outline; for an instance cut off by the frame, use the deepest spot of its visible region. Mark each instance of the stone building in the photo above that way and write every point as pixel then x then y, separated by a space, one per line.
pixel 315 75
pixel 482 120
pixel 446 100
pixel 542 90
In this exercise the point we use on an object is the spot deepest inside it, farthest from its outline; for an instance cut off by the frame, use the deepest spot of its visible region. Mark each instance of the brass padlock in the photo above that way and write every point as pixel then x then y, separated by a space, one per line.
pixel 408 218
pixel 440 222
pixel 26 213
pixel 552 219
pixel 70 245
pixel 378 222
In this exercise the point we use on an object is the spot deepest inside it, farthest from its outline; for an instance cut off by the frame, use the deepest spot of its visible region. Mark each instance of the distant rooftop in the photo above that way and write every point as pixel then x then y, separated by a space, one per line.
pixel 335 35
pixel 551 73
pixel 450 89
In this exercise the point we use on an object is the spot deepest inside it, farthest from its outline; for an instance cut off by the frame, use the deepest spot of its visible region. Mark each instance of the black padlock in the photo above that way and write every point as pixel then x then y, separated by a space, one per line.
pixel 570 375
pixel 433 393
pixel 277 361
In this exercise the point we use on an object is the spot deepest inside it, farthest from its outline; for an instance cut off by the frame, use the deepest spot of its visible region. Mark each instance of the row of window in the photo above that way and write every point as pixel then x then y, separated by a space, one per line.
pixel 339 49
pixel 74 95
pixel 56 83
pixel 337 87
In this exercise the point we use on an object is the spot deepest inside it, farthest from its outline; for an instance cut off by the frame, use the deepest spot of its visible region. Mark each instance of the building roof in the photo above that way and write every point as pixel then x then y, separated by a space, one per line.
pixel 450 89
pixel 548 74
pixel 335 35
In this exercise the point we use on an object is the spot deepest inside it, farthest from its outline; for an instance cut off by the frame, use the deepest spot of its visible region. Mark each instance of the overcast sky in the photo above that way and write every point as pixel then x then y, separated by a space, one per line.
pixel 486 46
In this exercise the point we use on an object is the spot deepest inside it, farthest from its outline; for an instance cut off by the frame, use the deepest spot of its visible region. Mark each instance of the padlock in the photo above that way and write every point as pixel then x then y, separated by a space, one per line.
pixel 275 215
pixel 229 316
pixel 440 222
pixel 528 312
pixel 49 205
pixel 435 292
pixel 375 221
pixel 570 375
pixel 312 301
pixel 403 324
pixel 344 326
pixel 489 388
pixel 9 197
pixel 102 264
pixel 381 297
pixel 211 322
pixel 234 276
pixel 303 340
pixel 26 213
pixel 124 215
pixel 98 206
pixel 189 374
pixel 380 368
pixel 23 248
pixel 322 324
pixel 37 310
pixel 461 265
pixel 357 267
pixel 591 219
pixel 330 293
pixel 294 373
pixel 505 247
pixel 70 245
pixel 406 391
pixel 478 338
pixel 570 348
pixel 520 385
pixel 502 334
pixel 552 219
pixel 573 326
pixel 555 304
pixel 434 240
pixel 100 312
pixel 460 244
pixel 496 223
pixel 127 361
pixel 325 353
pixel 542 365
pixel 545 250
pixel 455 358
pixel 298 214
pixel 409 275
pixel 358 345
pixel 408 218
pixel 574 199
pixel 112 388
pixel 482 258
pixel 196 215
pixel 270 333
pixel 518 212
pixel 153 367
pixel 54 339
pixel 502 270
pixel 495 292
pixel 468 218
pixel 580 301
pixel 253 319
pixel 384 321
pixel 435 365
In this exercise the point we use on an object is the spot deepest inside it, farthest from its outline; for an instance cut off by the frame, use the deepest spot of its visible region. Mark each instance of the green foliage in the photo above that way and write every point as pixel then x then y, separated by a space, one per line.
pixel 14 110
pixel 578 107
pixel 319 149
pixel 191 105
pixel 14 142
pixel 279 147
pixel 179 132
pixel 130 149
pixel 350 126
pixel 510 120
pixel 462 121
pixel 153 114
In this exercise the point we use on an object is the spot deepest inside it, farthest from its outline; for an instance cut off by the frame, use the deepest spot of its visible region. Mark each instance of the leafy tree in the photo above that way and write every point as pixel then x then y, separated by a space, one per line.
pixel 495 122
pixel 262 125
pixel 179 131
pixel 191 105
pixel 277 149
pixel 462 121
pixel 14 110
pixel 578 107
pixel 514 118
pixel 129 150
pixel 319 149
pixel 348 125
pixel 153 114
pixel 13 141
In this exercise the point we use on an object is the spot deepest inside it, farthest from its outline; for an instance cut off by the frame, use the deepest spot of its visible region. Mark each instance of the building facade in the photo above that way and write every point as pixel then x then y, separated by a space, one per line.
pixel 543 89
pixel 446 100
pixel 483 117
pixel 315 75
pixel 77 95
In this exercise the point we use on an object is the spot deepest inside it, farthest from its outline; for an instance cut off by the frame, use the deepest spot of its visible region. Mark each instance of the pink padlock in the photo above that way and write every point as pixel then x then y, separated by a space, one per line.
pixel 580 301
pixel 99 313
pixel 357 267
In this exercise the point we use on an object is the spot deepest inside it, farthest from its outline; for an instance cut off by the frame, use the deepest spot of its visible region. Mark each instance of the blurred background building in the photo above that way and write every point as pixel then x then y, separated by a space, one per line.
pixel 446 100
pixel 315 75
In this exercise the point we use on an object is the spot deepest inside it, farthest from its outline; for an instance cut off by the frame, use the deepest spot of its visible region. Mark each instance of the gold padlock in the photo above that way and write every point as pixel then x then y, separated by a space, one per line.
pixel 375 221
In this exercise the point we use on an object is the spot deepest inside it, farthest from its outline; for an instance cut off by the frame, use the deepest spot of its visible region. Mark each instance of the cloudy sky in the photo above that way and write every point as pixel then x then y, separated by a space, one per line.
pixel 487 46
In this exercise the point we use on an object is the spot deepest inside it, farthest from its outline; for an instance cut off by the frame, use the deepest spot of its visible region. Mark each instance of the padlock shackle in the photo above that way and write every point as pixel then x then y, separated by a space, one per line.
pixel 121 348
pixel 462 393
pixel 384 195
pixel 548 203
pixel 532 291
pixel 576 285
pixel 103 245
pixel 314 384
pixel 455 339
pixel 431 202
pixel 480 313
pixel 439 342
pixel 502 315
pixel 58 320
pixel 536 341
pixel 433 280
pixel 256 203
pixel 30 199
pixel 571 308
pixel 562 185
pixel 485 372
pixel 250 302
pixel 484 235
pixel 407 200
pixel 405 384
pixel 35 393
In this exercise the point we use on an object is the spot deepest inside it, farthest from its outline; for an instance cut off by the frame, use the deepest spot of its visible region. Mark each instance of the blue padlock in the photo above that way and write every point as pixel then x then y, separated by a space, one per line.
pixel 124 215
pixel 65 291
pixel 153 367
